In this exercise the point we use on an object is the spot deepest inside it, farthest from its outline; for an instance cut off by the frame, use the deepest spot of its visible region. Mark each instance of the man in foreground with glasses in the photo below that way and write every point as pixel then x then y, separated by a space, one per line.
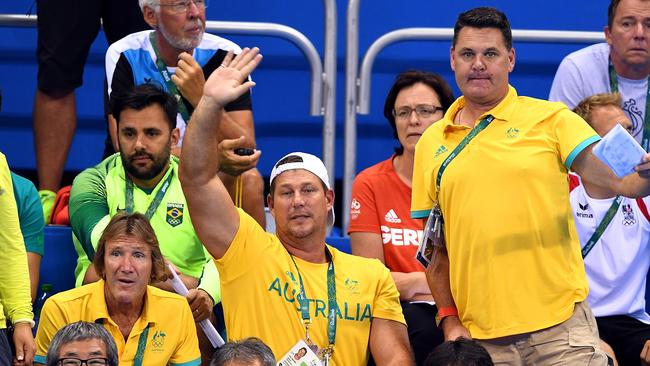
pixel 82 343
pixel 178 55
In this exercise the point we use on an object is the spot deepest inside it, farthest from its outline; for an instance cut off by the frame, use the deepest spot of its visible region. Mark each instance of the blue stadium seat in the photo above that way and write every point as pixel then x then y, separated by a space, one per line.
pixel 57 266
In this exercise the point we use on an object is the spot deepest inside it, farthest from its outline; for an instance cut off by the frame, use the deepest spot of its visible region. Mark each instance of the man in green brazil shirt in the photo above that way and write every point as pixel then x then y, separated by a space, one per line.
pixel 143 177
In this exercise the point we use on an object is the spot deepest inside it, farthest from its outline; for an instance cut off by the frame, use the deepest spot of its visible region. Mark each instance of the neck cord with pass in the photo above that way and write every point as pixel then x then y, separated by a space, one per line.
pixel 156 201
pixel 602 226
pixel 613 84
pixel 171 87
pixel 332 306
pixel 437 212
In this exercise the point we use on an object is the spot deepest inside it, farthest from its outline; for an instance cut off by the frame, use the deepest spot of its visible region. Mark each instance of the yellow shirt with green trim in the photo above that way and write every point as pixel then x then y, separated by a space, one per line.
pixel 170 339
pixel 16 301
pixel 514 256
pixel 259 284
pixel 98 193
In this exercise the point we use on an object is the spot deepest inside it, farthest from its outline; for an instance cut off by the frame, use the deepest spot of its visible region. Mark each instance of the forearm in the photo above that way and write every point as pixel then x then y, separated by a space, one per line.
pixel 238 123
pixel 200 162
pixel 34 264
pixel 412 286
pixel 438 279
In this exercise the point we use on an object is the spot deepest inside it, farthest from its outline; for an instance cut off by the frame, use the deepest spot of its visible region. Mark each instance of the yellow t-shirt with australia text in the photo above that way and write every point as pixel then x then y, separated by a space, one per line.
pixel 259 284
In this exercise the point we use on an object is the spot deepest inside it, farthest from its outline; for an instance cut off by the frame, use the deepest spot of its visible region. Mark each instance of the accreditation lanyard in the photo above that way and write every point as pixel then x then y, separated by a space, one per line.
pixel 162 68
pixel 609 215
pixel 332 306
pixel 156 200
pixel 613 84
pixel 475 131
pixel 142 345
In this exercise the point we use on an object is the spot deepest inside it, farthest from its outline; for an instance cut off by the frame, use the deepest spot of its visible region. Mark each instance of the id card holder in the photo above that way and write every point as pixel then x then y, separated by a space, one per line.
pixel 300 354
pixel 433 236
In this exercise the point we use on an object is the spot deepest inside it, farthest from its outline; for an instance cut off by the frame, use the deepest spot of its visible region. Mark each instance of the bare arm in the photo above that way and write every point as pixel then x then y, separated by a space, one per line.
pixel 438 278
pixel 214 216
pixel 34 264
pixel 389 343
pixel 594 171
pixel 411 286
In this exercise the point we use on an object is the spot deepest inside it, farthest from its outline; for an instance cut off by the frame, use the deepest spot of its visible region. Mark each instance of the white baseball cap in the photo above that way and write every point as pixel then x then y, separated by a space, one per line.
pixel 309 163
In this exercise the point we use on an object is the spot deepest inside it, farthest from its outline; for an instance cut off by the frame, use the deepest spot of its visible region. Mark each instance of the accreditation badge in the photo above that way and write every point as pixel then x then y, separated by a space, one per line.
pixel 433 236
pixel 300 354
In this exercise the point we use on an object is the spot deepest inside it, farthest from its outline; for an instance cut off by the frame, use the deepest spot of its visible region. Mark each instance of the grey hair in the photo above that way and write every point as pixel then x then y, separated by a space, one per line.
pixel 248 350
pixel 80 331
pixel 153 4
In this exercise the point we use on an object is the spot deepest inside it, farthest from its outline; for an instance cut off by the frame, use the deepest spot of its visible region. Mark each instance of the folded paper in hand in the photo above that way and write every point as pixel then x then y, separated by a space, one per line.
pixel 620 151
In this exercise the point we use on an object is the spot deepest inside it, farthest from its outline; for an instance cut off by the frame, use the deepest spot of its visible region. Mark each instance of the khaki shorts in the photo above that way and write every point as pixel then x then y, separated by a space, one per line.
pixel 573 342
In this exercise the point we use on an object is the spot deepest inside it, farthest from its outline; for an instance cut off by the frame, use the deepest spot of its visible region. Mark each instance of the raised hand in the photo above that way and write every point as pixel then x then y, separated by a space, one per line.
pixel 229 80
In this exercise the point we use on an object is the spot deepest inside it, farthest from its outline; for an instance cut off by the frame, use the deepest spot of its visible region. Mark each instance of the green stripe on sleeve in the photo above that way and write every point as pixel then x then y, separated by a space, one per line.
pixel 189 363
pixel 578 149
pixel 420 214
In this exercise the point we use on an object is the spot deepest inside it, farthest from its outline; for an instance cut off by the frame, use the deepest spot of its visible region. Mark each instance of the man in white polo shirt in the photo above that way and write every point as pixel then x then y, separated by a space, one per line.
pixel 616 251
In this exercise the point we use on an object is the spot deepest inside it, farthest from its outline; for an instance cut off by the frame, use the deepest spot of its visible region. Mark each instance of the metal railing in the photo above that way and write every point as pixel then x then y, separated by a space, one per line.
pixel 357 84
pixel 323 84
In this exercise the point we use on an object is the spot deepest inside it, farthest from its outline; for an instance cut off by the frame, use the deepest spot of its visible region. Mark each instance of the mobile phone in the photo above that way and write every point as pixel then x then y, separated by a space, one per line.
pixel 244 151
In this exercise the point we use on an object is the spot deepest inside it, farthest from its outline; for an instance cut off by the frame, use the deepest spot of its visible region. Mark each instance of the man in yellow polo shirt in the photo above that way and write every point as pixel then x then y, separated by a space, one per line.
pixel 495 167
pixel 150 326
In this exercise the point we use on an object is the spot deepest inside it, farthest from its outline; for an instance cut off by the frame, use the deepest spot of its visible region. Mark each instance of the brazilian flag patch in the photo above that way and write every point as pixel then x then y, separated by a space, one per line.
pixel 174 214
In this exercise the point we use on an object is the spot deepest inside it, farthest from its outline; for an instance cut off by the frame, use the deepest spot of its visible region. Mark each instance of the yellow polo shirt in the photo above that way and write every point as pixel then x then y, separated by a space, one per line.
pixel 171 337
pixel 514 254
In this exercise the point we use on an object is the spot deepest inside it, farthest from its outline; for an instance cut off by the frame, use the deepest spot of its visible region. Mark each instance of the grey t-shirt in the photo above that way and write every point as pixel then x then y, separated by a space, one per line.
pixel 585 72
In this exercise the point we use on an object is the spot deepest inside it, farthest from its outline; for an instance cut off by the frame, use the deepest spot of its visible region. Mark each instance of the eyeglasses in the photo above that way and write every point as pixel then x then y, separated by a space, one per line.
pixel 71 361
pixel 424 112
pixel 183 6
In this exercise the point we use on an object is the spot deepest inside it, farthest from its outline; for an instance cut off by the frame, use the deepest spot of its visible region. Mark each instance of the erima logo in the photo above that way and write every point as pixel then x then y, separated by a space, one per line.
pixel 391 216
pixel 440 150
pixel 584 215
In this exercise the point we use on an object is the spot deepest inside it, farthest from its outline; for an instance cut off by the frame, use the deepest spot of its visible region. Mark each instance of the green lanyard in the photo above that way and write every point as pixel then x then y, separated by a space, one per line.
pixel 156 200
pixel 475 131
pixel 613 84
pixel 332 306
pixel 602 226
pixel 182 108
pixel 142 345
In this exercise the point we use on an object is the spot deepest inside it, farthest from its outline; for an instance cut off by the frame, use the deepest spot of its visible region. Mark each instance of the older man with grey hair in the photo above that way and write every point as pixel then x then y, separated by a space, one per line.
pixel 82 343
pixel 178 55
pixel 247 352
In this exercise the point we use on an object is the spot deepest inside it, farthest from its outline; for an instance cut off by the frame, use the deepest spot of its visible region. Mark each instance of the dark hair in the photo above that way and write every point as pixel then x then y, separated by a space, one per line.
pixel 81 331
pixel 611 12
pixel 141 97
pixel 408 79
pixel 248 350
pixel 461 352
pixel 484 17
pixel 135 226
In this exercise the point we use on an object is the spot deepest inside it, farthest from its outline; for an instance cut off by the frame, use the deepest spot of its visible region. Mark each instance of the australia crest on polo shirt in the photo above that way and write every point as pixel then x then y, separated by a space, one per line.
pixel 174 213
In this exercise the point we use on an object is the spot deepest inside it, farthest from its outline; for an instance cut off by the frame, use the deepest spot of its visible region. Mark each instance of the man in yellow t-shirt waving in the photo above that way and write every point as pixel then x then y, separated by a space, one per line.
pixel 293 291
